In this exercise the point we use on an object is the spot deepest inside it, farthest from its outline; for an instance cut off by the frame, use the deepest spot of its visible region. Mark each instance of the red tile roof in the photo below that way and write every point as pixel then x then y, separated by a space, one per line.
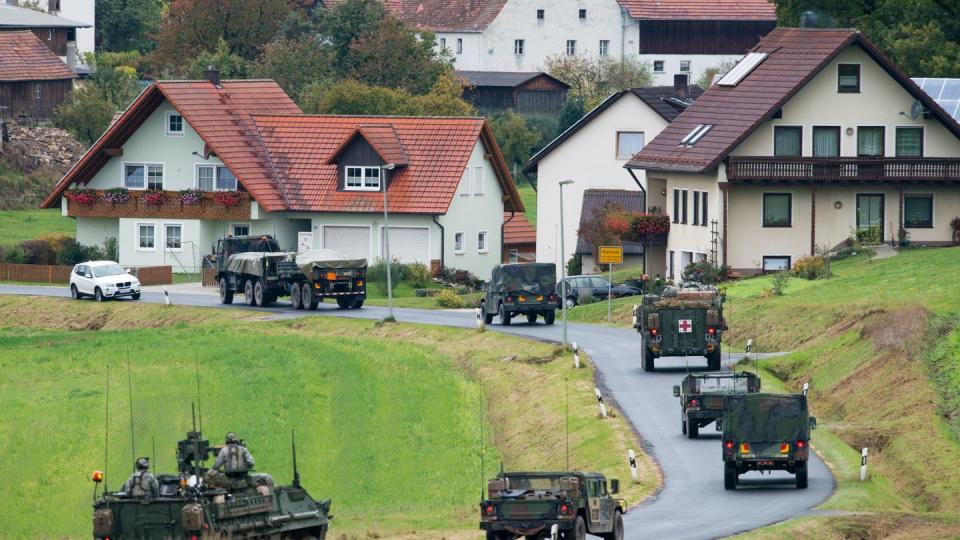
pixel 438 149
pixel 23 57
pixel 795 56
pixel 711 10
pixel 446 15
pixel 518 230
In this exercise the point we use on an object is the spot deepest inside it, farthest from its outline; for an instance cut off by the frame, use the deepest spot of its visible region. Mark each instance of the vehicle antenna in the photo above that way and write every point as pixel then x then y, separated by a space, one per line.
pixel 106 431
pixel 193 413
pixel 566 413
pixel 196 361
pixel 481 441
pixel 293 446
pixel 154 458
pixel 133 457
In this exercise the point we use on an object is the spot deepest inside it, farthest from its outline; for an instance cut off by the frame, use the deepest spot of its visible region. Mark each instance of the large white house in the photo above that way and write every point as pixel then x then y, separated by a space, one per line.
pixel 257 165
pixel 670 36
pixel 816 135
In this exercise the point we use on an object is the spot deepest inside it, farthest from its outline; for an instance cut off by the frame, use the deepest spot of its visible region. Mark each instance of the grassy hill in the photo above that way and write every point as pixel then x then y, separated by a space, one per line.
pixel 387 417
pixel 19 225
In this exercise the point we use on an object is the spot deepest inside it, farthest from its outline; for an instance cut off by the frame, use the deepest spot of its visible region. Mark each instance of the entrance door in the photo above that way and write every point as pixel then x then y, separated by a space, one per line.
pixel 870 218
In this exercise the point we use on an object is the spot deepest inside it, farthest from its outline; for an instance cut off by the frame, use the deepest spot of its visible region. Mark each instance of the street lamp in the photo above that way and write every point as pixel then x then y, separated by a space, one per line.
pixel 563 267
pixel 386 240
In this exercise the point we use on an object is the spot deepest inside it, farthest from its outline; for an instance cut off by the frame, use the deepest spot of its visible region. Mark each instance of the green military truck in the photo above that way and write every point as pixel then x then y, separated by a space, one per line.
pixel 531 504
pixel 255 267
pixel 766 432
pixel 684 321
pixel 701 397
pixel 527 289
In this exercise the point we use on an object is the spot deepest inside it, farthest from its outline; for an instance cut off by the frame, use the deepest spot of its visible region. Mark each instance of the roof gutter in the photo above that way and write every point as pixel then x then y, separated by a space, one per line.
pixel 442 238
pixel 639 185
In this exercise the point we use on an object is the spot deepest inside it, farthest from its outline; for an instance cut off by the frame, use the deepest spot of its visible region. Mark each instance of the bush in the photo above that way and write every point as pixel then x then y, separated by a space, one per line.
pixel 377 273
pixel 418 274
pixel 780 281
pixel 584 298
pixel 85 115
pixel 705 272
pixel 449 299
pixel 810 267
pixel 575 265
pixel 15 255
pixel 456 276
pixel 38 252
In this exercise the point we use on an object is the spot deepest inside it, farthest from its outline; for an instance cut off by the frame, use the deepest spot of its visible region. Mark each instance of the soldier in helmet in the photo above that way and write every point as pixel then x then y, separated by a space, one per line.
pixel 142 483
pixel 234 459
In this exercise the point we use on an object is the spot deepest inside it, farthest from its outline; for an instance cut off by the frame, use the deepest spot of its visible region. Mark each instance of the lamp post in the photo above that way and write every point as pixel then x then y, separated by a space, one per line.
pixel 386 240
pixel 563 267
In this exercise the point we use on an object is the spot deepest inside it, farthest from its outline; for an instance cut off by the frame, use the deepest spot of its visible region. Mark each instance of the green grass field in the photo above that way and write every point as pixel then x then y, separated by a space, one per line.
pixel 387 417
pixel 529 197
pixel 19 225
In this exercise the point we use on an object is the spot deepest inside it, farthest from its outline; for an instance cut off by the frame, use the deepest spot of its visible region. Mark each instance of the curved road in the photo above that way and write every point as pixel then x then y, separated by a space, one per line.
pixel 692 503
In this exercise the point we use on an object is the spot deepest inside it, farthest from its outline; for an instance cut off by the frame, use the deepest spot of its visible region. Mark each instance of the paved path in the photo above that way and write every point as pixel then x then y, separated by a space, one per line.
pixel 693 503
pixel 883 251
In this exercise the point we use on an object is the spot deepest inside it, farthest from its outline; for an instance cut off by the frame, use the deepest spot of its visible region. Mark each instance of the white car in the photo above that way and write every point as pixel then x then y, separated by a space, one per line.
pixel 102 280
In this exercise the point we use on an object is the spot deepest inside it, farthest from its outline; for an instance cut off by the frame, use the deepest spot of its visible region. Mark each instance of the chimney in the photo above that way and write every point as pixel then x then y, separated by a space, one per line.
pixel 809 19
pixel 72 54
pixel 680 86
pixel 212 74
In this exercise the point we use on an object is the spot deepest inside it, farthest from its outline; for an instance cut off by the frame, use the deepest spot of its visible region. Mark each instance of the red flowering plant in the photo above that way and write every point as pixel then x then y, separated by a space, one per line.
pixel 154 196
pixel 81 196
pixel 228 199
pixel 648 225
pixel 191 197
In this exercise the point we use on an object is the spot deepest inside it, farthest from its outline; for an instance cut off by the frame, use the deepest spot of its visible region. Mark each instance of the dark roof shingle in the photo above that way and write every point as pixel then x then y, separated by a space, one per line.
pixel 23 57
pixel 507 79
pixel 595 199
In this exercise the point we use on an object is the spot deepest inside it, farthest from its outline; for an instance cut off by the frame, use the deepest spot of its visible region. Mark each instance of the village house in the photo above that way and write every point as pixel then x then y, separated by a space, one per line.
pixel 256 165
pixel 68 37
pixel 592 153
pixel 519 239
pixel 33 81
pixel 813 137
pixel 520 92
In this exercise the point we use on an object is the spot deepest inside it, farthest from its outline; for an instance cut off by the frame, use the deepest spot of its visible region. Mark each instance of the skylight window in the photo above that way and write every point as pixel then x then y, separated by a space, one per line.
pixel 696 134
pixel 742 69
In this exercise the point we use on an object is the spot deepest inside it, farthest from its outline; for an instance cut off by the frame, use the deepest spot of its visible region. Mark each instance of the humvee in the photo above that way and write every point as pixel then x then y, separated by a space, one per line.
pixel 521 289
pixel 685 321
pixel 530 504
pixel 765 432
pixel 701 397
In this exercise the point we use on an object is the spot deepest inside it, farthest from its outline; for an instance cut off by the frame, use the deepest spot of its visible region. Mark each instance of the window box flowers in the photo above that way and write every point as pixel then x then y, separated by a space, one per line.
pixel 154 196
pixel 649 225
pixel 118 195
pixel 227 199
pixel 191 197
pixel 82 196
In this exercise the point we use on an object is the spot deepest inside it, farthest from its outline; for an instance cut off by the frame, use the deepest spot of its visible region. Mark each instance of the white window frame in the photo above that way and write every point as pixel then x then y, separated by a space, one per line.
pixel 604 47
pixel 363 178
pixel 462 238
pixel 663 66
pixel 859 77
pixel 442 43
pixel 166 248
pixel 689 66
pixel 630 132
pixel 233 227
pixel 518 47
pixel 485 248
pixel 166 124
pixel 571 48
pixel 146 174
pixel 466 182
pixel 764 258
pixel 479 179
pixel 213 185
pixel 137 229
pixel 459 45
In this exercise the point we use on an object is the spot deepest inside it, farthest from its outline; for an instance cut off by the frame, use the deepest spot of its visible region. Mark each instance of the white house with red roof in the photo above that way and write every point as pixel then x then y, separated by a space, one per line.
pixel 191 161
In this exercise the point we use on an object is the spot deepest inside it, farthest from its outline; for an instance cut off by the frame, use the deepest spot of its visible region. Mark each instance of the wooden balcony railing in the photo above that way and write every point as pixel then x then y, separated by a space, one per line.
pixel 171 208
pixel 843 170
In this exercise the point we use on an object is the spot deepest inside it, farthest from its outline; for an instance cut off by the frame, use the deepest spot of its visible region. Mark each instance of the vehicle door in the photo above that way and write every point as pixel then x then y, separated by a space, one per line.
pixel 601 287
pixel 607 506
pixel 490 296
pixel 595 505
pixel 84 283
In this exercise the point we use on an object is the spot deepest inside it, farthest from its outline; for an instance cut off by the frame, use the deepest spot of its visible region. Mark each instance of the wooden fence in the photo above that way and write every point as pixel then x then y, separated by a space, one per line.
pixel 46 273
pixel 209 278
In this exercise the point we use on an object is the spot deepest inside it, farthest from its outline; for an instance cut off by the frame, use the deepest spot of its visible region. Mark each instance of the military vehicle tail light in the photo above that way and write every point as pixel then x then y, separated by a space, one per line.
pixel 331 276
pixel 97 476
pixel 712 331
pixel 801 444
pixel 540 298
pixel 489 510
pixel 359 283
pixel 785 448
pixel 566 509
pixel 523 298
pixel 508 299
pixel 694 403
pixel 653 331
pixel 728 445
pixel 744 448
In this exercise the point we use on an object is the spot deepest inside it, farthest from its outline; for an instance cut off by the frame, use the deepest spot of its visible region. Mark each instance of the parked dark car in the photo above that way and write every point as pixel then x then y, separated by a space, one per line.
pixel 597 286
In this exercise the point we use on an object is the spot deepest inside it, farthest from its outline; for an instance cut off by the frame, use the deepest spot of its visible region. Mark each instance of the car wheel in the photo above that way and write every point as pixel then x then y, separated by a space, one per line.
pixel 802 477
pixel 579 529
pixel 226 293
pixel 504 316
pixel 248 293
pixel 98 295
pixel 550 317
pixel 729 476
pixel 617 532
pixel 531 318
pixel 571 302
pixel 135 296
pixel 295 296
pixel 487 317
pixel 74 293
pixel 693 429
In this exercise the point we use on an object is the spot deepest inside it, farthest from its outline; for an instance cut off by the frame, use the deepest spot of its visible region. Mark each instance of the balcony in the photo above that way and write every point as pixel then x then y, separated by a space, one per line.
pixel 206 207
pixel 842 170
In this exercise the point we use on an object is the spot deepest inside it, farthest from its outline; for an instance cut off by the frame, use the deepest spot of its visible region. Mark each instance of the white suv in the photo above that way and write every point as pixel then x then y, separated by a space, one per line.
pixel 102 280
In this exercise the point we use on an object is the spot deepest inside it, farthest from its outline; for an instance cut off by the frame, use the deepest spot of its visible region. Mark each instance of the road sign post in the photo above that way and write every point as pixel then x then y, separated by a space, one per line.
pixel 610 255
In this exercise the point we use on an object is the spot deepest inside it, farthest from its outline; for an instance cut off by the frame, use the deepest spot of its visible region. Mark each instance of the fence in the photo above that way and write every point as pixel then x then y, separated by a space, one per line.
pixel 209 277
pixel 46 273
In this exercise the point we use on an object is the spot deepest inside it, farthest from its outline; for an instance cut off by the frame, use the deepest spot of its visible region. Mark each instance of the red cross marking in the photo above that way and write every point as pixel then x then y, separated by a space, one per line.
pixel 685 326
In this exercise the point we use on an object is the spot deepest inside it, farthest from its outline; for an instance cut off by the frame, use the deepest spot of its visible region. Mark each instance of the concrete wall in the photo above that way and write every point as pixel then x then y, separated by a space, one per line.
pixel 699 63
pixel 687 237
pixel 590 159
pixel 95 231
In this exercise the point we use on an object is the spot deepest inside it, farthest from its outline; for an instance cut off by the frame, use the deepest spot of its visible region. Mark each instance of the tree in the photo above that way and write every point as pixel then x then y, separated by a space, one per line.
pixel 124 25
pixel 594 79
pixel 114 79
pixel 711 72
pixel 85 114
pixel 514 137
pixel 293 64
pixel 230 66
pixel 571 113
pixel 353 97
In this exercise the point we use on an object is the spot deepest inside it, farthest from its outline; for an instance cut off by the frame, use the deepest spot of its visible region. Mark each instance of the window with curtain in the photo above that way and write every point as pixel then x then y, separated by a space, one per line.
pixel 918 211
pixel 826 141
pixel 629 143
pixel 777 209
pixel 909 142
pixel 787 140
pixel 848 78
pixel 870 141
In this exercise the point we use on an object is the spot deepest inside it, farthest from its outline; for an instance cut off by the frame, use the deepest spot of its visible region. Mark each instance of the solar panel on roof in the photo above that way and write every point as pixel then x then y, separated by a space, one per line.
pixel 742 69
pixel 951 89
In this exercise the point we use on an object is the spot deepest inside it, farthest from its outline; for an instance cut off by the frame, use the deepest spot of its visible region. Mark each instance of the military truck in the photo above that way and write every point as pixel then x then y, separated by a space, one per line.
pixel 521 289
pixel 256 267
pixel 681 321
pixel 765 432
pixel 530 504
pixel 701 397
pixel 194 503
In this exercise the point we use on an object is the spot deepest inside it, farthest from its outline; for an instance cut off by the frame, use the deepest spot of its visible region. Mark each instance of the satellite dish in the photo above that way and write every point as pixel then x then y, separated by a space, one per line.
pixel 916 109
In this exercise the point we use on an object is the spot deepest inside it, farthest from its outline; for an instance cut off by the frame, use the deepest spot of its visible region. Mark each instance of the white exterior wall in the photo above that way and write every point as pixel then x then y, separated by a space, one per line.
pixel 589 158
pixel 687 237
pixel 699 63
pixel 80 11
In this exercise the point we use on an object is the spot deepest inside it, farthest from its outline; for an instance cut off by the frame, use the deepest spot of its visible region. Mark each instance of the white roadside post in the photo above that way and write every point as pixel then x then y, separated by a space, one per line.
pixel 863 464
pixel 554 531
pixel 576 356
pixel 633 465
pixel 806 386
pixel 603 408
pixel 480 323
pixel 166 296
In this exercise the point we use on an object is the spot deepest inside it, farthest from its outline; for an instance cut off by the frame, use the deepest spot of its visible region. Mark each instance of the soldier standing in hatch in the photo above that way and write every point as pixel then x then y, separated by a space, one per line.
pixel 234 458
pixel 142 483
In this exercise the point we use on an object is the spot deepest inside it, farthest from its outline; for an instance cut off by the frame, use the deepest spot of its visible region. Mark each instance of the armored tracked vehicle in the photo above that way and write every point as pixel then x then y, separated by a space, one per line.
pixel 532 504
pixel 685 321
pixel 521 289
pixel 766 432
pixel 701 397
pixel 196 503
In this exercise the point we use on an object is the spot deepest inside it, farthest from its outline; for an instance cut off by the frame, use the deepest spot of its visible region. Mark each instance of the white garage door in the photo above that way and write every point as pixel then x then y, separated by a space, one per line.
pixel 354 242
pixel 408 244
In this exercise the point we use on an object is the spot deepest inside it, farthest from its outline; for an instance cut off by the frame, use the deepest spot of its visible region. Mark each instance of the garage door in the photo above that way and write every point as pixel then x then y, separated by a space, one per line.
pixel 354 242
pixel 408 244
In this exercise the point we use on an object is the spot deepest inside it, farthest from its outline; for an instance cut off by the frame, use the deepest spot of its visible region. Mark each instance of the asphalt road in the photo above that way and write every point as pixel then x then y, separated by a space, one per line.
pixel 692 503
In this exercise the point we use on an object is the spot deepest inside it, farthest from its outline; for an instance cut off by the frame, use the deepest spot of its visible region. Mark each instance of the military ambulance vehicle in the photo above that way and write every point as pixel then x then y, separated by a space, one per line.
pixel 527 289
pixel 681 321
pixel 766 432
pixel 701 397
pixel 532 504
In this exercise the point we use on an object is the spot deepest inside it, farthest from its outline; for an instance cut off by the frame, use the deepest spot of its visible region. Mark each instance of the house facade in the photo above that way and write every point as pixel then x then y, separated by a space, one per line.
pixel 256 165
pixel 66 36
pixel 33 81
pixel 815 137
pixel 592 153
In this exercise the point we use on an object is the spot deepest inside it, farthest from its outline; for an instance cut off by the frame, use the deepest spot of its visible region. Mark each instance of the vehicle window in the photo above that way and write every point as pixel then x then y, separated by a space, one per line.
pixel 108 270
pixel 533 483
pixel 78 270
pixel 603 487
pixel 581 282
pixel 592 488
pixel 723 384
pixel 599 283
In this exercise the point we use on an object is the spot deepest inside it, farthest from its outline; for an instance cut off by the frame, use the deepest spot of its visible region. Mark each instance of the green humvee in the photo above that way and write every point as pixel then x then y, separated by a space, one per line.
pixel 531 504
pixel 765 432
pixel 685 321
pixel 521 289
pixel 701 397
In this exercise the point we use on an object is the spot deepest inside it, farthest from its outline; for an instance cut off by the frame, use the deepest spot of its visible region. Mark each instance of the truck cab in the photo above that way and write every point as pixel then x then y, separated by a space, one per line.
pixel 527 289
pixel 701 397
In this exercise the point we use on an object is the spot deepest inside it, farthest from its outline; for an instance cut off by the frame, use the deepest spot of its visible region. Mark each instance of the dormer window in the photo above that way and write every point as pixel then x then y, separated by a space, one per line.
pixel 362 178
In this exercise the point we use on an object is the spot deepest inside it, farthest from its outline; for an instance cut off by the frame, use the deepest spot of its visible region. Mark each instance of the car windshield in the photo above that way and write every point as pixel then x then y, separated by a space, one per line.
pixel 531 278
pixel 722 384
pixel 766 419
pixel 534 483
pixel 108 270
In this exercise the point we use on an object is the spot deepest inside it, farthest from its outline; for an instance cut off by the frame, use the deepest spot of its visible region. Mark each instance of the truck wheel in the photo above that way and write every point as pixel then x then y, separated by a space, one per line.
pixel 550 317
pixel 344 303
pixel 646 359
pixel 693 429
pixel 248 293
pixel 579 529
pixel 531 318
pixel 683 427
pixel 307 299
pixel 259 295
pixel 729 476
pixel 504 316
pixel 713 361
pixel 357 303
pixel 617 532
pixel 226 294
pixel 802 477
pixel 295 296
